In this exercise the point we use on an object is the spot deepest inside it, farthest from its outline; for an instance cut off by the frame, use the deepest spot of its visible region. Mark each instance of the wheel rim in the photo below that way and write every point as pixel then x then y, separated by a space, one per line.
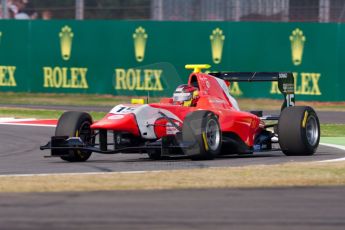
pixel 212 134
pixel 312 130
pixel 85 133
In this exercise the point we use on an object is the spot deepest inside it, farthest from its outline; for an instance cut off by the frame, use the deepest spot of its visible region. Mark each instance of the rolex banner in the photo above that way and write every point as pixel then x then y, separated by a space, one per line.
pixel 138 58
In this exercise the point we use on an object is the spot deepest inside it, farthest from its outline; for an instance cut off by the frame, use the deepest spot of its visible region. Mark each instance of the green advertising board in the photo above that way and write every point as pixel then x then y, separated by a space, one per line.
pixel 141 57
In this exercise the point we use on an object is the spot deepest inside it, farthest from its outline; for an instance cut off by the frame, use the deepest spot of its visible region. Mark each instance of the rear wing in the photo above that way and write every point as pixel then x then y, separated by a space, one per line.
pixel 286 82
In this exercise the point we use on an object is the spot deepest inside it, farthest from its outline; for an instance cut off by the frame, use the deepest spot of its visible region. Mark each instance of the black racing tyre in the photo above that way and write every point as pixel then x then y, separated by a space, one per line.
pixel 75 124
pixel 298 131
pixel 202 128
pixel 154 154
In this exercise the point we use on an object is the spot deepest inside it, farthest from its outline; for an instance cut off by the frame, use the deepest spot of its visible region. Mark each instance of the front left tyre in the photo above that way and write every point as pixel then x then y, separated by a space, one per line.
pixel 75 124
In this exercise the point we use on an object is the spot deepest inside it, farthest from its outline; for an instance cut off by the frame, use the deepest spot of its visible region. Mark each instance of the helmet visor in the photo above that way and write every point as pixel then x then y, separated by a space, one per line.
pixel 180 97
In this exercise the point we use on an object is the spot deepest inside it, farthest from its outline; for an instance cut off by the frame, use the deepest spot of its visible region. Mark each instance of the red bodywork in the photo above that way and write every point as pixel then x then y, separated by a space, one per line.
pixel 213 97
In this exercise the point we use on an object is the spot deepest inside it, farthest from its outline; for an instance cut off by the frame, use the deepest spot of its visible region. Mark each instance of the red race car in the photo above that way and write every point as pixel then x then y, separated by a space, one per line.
pixel 202 120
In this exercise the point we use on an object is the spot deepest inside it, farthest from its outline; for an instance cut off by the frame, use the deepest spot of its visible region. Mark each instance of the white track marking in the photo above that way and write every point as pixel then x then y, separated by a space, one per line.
pixel 334 146
pixel 4 119
pixel 36 125
pixel 79 174
pixel 16 121
pixel 12 119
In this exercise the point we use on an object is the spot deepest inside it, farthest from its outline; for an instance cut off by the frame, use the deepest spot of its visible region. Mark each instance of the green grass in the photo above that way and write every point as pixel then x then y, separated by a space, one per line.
pixel 333 140
pixel 39 113
pixel 111 100
pixel 332 130
pixel 64 99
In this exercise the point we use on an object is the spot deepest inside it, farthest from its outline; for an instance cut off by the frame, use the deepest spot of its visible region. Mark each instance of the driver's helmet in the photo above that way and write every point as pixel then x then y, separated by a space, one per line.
pixel 186 95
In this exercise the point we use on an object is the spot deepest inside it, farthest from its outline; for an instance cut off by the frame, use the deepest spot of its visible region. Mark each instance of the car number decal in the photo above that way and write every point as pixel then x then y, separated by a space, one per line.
pixel 122 109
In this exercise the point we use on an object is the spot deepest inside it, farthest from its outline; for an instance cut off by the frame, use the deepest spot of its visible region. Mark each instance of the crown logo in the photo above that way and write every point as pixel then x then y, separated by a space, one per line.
pixel 66 38
pixel 139 38
pixel 217 40
pixel 297 40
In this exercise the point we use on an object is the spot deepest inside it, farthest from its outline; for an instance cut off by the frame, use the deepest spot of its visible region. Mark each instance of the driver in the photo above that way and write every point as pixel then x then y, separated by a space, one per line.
pixel 186 95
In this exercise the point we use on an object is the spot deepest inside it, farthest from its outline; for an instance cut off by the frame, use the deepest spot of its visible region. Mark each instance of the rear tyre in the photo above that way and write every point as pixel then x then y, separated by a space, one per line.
pixel 202 128
pixel 298 131
pixel 75 124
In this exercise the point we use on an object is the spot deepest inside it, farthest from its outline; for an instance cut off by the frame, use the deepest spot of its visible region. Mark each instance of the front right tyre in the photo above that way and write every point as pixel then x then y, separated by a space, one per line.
pixel 203 130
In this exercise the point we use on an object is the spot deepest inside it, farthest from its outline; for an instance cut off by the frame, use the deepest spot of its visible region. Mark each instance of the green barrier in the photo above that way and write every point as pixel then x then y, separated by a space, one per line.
pixel 147 57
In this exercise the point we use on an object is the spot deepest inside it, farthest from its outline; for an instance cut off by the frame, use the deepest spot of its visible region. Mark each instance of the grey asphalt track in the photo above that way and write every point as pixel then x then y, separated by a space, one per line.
pixel 260 209
pixel 278 208
pixel 20 154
